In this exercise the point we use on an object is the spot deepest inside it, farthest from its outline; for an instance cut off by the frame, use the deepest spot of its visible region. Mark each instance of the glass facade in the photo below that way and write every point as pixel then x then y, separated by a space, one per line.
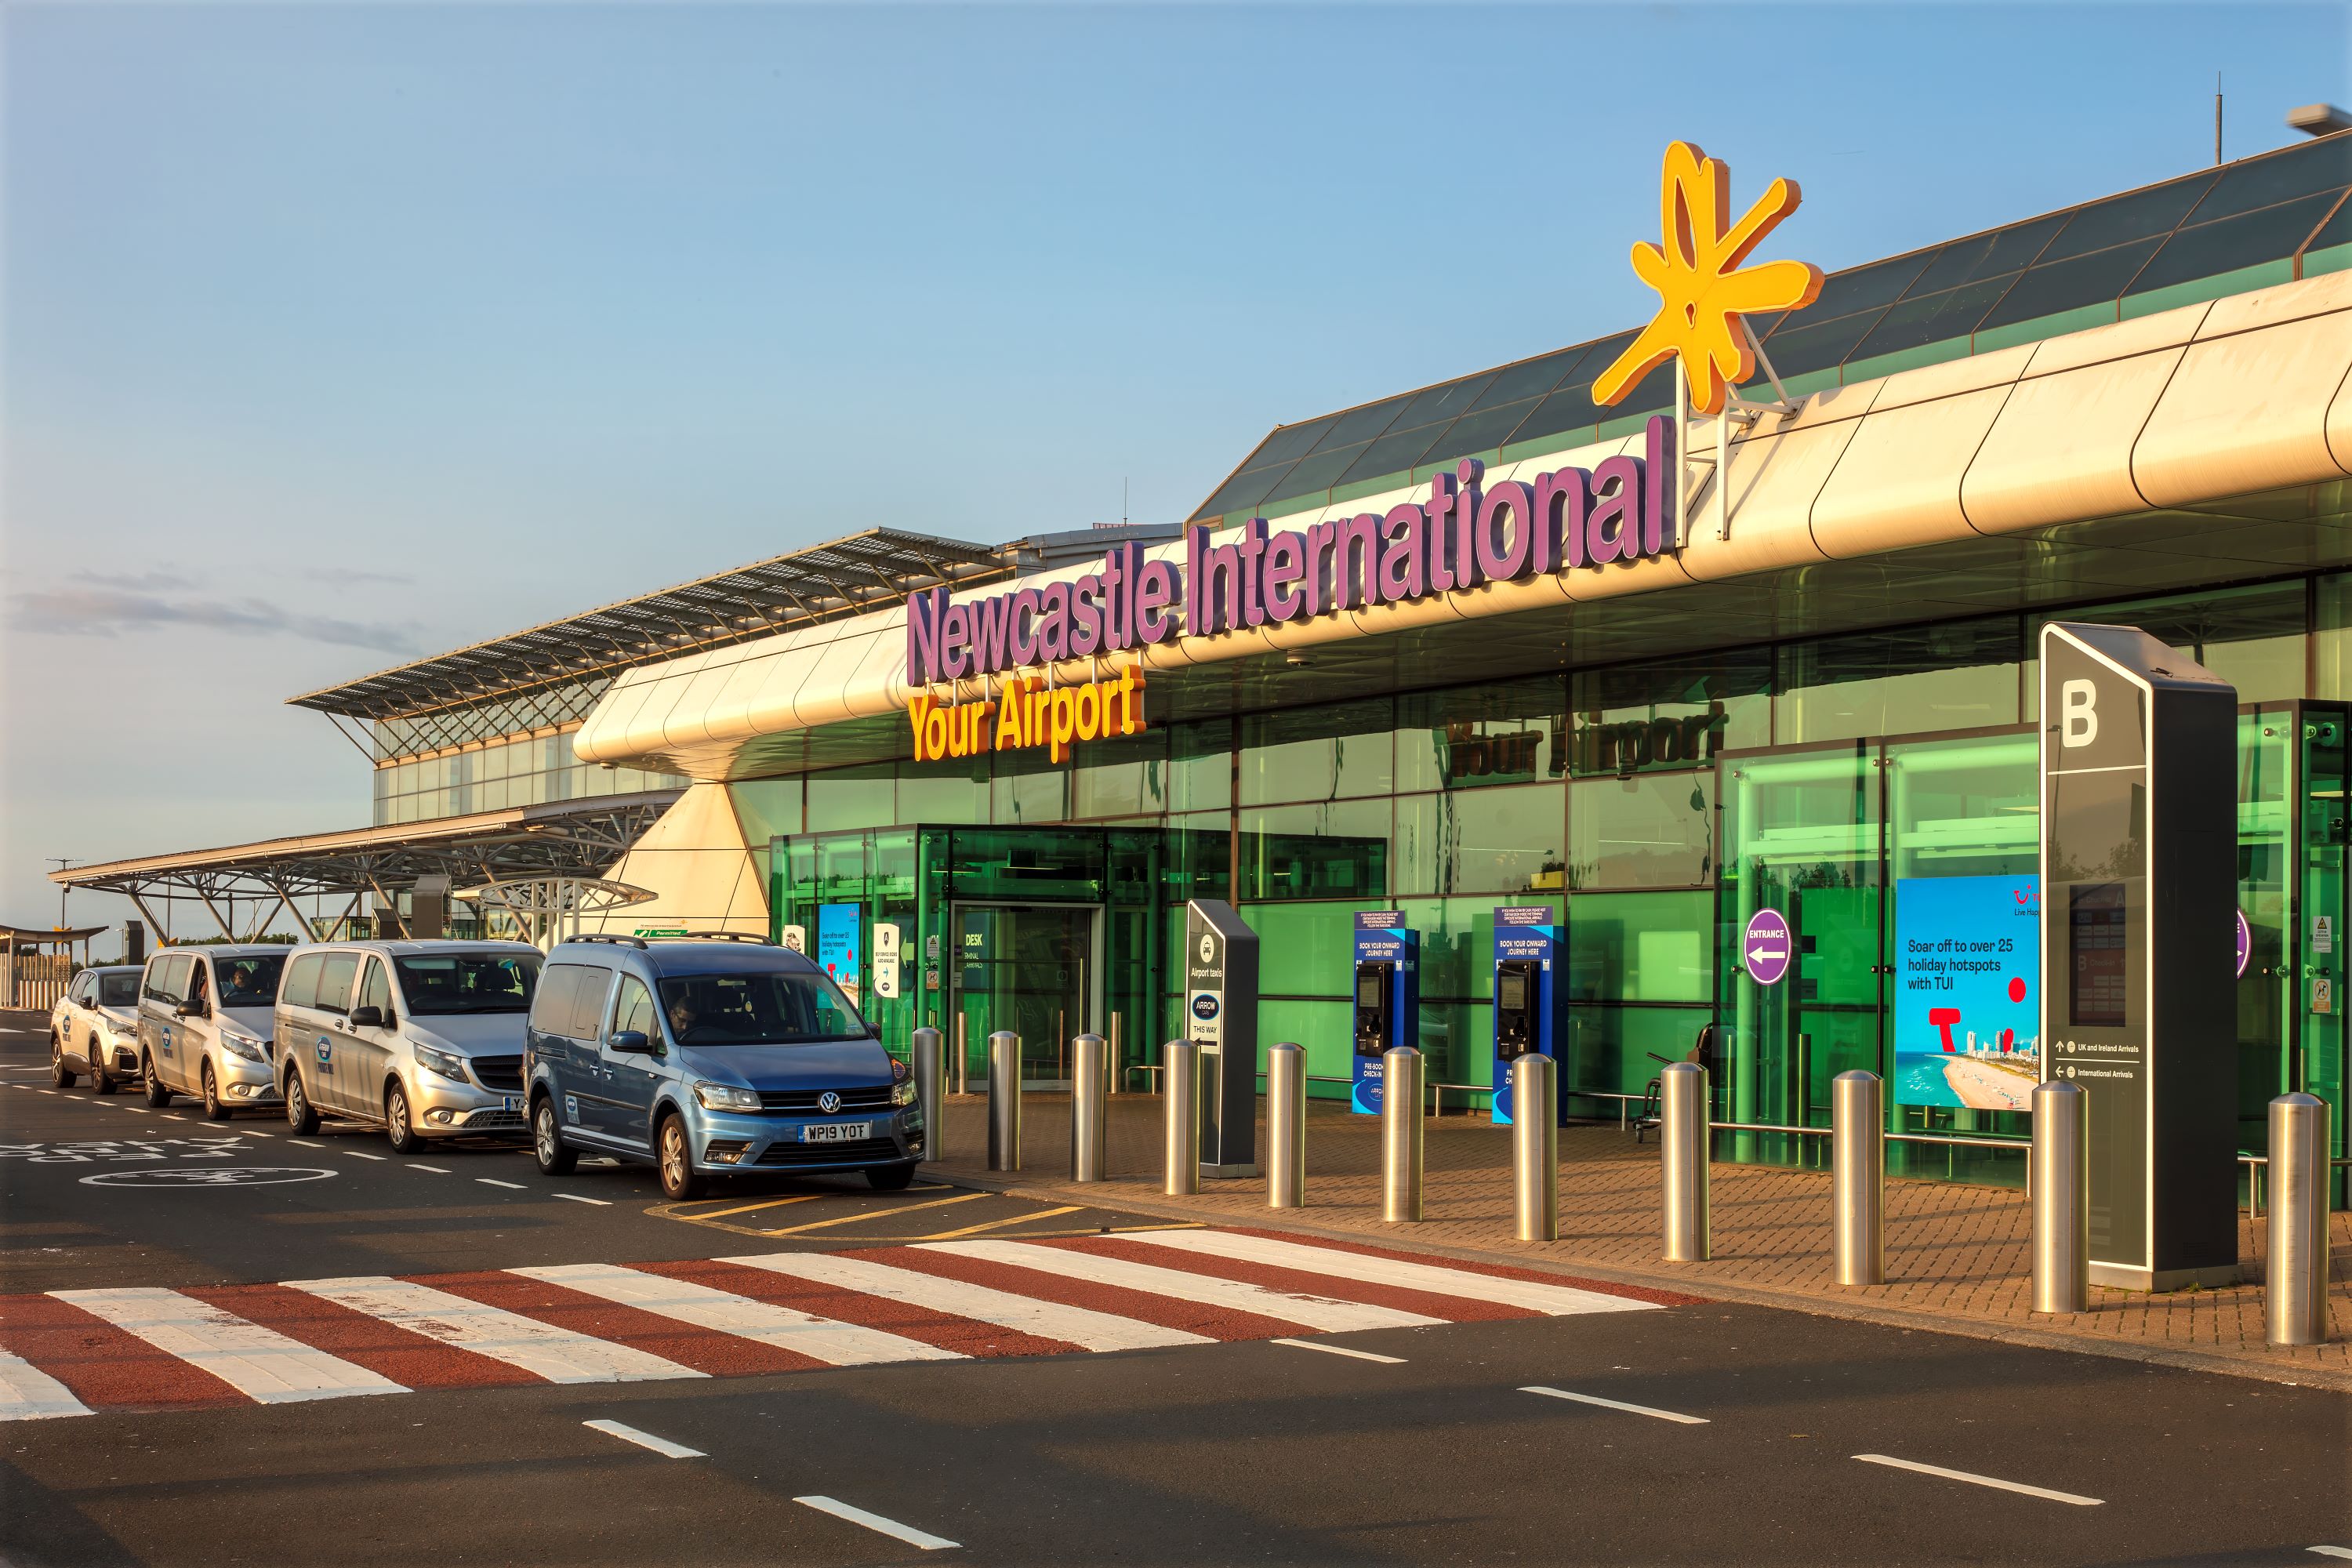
pixel 503 774
pixel 1653 807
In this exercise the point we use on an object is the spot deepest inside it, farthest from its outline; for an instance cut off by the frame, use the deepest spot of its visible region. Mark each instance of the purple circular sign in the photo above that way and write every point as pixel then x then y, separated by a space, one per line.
pixel 2245 943
pixel 1764 950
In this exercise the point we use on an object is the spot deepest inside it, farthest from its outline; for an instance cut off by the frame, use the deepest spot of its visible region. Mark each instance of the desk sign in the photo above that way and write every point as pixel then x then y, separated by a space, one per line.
pixel 2140 837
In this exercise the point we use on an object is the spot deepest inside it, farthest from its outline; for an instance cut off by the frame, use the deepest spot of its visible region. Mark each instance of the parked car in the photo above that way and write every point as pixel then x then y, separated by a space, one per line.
pixel 205 1025
pixel 426 1037
pixel 711 1057
pixel 94 1028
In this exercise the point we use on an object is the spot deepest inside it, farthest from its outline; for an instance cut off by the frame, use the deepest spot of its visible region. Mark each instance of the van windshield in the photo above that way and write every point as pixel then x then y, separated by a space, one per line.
pixel 250 980
pixel 436 984
pixel 758 1010
pixel 118 990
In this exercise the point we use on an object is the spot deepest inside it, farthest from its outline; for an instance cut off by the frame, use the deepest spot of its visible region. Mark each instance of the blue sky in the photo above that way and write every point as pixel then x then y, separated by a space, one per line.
pixel 335 334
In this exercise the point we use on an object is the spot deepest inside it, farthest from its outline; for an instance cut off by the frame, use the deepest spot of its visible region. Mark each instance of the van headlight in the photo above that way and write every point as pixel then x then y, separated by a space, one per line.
pixel 445 1063
pixel 725 1097
pixel 243 1045
pixel 903 1092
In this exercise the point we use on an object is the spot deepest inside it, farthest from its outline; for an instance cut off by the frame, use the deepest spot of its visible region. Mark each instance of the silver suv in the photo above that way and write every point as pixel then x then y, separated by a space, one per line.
pixel 426 1037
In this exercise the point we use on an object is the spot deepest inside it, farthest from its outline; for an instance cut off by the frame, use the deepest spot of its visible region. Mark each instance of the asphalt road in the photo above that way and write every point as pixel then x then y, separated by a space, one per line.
pixel 1735 1435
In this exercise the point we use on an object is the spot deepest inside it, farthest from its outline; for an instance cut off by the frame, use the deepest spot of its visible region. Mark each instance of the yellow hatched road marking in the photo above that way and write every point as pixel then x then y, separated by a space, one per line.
pixel 876 1214
pixel 1000 1224
pixel 747 1208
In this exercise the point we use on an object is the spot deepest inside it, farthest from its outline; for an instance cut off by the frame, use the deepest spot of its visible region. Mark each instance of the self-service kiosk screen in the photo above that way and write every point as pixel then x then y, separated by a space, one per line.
pixel 2095 936
pixel 1511 991
pixel 1367 989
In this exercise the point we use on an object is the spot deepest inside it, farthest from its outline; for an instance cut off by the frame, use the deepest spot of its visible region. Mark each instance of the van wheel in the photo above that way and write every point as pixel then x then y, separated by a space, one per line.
pixel 100 1080
pixel 889 1178
pixel 681 1182
pixel 60 1074
pixel 157 1095
pixel 555 1157
pixel 397 1124
pixel 300 1116
pixel 214 1110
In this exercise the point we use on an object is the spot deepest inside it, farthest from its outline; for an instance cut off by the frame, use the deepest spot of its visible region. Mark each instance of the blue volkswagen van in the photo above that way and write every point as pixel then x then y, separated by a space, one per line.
pixel 709 1056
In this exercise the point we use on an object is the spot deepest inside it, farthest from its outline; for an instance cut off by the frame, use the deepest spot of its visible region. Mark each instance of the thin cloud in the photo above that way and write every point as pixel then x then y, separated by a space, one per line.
pixel 108 612
pixel 343 575
pixel 134 579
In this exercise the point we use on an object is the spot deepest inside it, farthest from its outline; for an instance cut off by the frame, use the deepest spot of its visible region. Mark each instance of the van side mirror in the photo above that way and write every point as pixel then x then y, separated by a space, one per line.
pixel 193 1008
pixel 873 1028
pixel 629 1042
pixel 366 1018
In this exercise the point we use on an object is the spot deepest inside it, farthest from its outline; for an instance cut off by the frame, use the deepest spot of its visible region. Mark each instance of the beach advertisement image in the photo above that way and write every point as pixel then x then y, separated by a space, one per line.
pixel 1968 976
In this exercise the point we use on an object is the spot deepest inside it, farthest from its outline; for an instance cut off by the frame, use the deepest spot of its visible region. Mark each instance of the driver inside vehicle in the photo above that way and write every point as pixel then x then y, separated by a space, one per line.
pixel 240 987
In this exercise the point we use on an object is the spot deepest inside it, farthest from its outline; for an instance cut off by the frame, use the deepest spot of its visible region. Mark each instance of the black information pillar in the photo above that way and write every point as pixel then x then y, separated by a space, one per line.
pixel 2139 850
pixel 1221 1016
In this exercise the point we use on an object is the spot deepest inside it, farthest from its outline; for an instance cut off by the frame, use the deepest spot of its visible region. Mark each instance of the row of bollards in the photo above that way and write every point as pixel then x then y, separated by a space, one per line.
pixel 2296 1266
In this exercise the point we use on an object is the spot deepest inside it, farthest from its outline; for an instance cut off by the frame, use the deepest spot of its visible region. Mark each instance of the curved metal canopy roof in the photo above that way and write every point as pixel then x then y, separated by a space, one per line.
pixel 843 577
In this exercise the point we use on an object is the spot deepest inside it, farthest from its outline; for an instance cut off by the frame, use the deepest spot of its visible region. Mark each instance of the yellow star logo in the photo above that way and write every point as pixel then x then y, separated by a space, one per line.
pixel 1702 287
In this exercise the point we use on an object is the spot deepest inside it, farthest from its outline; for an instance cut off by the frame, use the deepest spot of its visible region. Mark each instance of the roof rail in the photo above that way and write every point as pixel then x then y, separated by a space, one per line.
pixel 725 936
pixel 614 937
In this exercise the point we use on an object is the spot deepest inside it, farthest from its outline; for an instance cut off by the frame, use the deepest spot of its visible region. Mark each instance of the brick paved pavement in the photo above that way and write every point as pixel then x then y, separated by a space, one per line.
pixel 1958 1257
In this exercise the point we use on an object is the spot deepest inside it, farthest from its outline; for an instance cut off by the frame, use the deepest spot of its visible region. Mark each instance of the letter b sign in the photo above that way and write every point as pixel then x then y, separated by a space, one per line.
pixel 2078 711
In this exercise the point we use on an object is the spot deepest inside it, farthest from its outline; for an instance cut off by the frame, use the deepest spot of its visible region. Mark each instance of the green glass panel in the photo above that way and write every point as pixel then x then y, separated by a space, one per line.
pixel 2271 993
pixel 1641 947
pixel 851 797
pixel 955 790
pixel 1334 849
pixel 1323 1027
pixel 1126 778
pixel 1652 830
pixel 1954 675
pixel 1201 766
pixel 1028 788
pixel 1502 841
pixel 2252 637
pixel 1610 1053
pixel 2319 1067
pixel 1672 713
pixel 1304 949
pixel 1319 753
pixel 1475 736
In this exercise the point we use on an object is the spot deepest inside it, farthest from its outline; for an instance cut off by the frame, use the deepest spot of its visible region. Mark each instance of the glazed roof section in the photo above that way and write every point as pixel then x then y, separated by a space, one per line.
pixel 825 582
pixel 2262 220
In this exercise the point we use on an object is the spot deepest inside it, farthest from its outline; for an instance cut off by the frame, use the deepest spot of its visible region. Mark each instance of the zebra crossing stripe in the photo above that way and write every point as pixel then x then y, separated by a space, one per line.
pixel 722 1311
pixel 1322 1313
pixel 559 1355
pixel 1078 1326
pixel 260 1363
pixel 29 1394
pixel 1555 1301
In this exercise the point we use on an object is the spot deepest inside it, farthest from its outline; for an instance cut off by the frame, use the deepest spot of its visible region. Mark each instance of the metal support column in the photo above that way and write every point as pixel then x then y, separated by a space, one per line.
pixel 2061 1178
pixel 1535 1145
pixel 1400 1134
pixel 1286 1126
pixel 2295 1272
pixel 1682 1126
pixel 1858 1158
pixel 932 1090
pixel 1089 1113
pixel 1180 1086
pixel 1004 1100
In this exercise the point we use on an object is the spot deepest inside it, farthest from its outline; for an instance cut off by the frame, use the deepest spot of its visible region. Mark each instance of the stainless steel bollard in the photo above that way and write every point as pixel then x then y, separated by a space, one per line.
pixel 1090 1112
pixel 962 1074
pixel 1286 1126
pixel 1401 1135
pixel 1683 1138
pixel 1117 1063
pixel 1858 1161
pixel 2295 1272
pixel 2061 1177
pixel 931 1090
pixel 1179 1085
pixel 1004 1100
pixel 1535 1145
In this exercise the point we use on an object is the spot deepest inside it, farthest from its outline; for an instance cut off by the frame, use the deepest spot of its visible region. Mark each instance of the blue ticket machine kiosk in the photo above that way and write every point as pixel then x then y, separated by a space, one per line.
pixel 1530 1000
pixel 1387 998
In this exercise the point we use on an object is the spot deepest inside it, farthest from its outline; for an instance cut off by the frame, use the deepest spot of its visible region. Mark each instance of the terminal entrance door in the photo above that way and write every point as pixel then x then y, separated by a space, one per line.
pixel 1803 835
pixel 2315 1052
pixel 1033 969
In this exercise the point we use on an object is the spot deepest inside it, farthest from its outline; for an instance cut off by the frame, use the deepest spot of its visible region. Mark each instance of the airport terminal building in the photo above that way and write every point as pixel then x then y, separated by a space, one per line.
pixel 1493 643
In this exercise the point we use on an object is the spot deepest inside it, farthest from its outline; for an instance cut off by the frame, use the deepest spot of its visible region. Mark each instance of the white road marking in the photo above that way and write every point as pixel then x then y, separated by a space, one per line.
pixel 249 1133
pixel 1320 1313
pixel 662 1445
pixel 260 1363
pixel 306 1143
pixel 1558 1301
pixel 434 1169
pixel 29 1394
pixel 2344 1552
pixel 1616 1404
pixel 355 1154
pixel 173 1115
pixel 1049 1320
pixel 45 1092
pixel 1341 1350
pixel 1978 1481
pixel 890 1527
pixel 134 1110
pixel 493 1181
pixel 576 1198
pixel 543 1350
pixel 723 1311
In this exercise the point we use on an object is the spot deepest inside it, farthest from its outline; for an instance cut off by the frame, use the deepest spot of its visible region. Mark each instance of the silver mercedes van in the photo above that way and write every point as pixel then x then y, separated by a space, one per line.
pixel 426 1037
pixel 204 1025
